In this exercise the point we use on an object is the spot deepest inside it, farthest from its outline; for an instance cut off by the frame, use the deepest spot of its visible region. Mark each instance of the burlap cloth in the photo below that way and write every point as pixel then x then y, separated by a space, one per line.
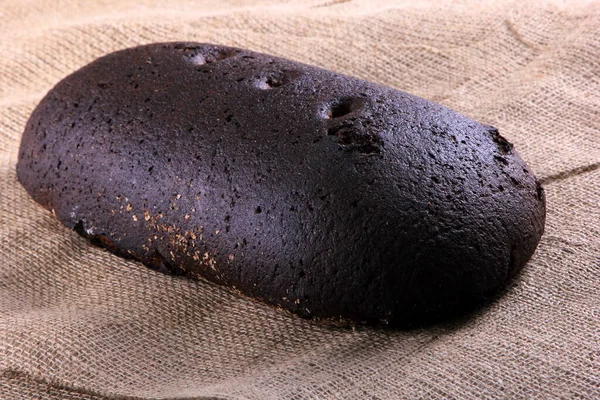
pixel 79 323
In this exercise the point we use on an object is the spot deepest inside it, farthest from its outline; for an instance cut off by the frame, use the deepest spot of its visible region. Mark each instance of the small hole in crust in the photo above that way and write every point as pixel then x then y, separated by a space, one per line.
pixel 539 191
pixel 353 139
pixel 201 59
pixel 201 55
pixel 276 79
pixel 504 146
pixel 269 83
pixel 343 107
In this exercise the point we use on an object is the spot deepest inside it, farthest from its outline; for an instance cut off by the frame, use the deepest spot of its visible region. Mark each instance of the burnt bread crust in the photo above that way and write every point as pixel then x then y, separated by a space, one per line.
pixel 317 192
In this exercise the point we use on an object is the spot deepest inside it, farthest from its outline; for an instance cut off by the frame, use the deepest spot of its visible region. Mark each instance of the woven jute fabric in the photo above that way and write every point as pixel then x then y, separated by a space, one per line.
pixel 79 323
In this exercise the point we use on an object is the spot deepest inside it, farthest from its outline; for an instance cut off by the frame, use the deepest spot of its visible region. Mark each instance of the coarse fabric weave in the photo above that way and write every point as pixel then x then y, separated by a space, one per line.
pixel 77 322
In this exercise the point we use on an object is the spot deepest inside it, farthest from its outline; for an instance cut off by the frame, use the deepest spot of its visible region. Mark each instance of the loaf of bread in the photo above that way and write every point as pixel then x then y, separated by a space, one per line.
pixel 315 192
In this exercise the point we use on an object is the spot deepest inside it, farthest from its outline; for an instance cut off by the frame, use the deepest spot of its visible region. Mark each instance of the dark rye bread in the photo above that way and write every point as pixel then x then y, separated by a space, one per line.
pixel 316 192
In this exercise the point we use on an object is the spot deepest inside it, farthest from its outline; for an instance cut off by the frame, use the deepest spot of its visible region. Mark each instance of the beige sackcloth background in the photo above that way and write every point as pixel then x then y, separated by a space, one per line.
pixel 79 323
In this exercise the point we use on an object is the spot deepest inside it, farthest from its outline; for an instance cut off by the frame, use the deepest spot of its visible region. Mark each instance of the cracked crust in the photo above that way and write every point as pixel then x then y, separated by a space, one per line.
pixel 312 191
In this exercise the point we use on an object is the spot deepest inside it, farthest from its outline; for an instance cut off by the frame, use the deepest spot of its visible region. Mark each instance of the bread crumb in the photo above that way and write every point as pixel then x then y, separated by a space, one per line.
pixel 135 218
pixel 209 260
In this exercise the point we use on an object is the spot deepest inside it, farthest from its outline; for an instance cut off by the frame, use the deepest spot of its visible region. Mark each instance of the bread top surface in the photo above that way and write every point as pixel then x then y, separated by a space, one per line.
pixel 318 192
